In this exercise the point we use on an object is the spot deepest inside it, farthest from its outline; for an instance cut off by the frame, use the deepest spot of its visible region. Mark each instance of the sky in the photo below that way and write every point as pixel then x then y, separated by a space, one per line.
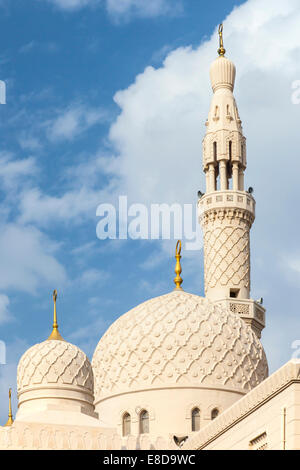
pixel 107 98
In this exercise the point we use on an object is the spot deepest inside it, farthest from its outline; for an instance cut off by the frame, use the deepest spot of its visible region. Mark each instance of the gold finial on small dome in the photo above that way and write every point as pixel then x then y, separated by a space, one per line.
pixel 221 50
pixel 10 416
pixel 178 280
pixel 55 333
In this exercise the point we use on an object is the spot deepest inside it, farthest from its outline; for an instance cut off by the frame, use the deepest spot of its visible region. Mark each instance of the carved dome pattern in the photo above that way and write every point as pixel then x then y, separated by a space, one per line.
pixel 54 362
pixel 178 339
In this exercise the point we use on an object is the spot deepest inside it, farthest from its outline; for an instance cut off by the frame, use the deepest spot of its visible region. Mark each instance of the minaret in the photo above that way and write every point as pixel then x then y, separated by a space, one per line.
pixel 226 210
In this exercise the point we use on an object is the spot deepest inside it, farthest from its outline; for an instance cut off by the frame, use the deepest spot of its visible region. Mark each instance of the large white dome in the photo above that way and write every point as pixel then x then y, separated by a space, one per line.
pixel 177 340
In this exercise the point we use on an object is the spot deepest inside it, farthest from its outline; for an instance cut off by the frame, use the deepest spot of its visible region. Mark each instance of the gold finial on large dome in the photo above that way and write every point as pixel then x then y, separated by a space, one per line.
pixel 178 280
pixel 55 333
pixel 221 50
pixel 10 416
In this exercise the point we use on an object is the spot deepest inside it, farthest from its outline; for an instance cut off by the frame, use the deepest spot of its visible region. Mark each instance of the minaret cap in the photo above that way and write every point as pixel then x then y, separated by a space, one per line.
pixel 178 280
pixel 55 335
pixel 10 416
pixel 222 70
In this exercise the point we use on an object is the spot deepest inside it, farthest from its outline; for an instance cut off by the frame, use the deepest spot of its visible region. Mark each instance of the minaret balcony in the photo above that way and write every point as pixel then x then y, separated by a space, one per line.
pixel 227 199
pixel 252 312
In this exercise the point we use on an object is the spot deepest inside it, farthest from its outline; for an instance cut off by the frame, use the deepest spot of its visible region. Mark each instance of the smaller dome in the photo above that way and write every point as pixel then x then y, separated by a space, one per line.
pixel 55 372
pixel 54 363
pixel 55 381
pixel 222 73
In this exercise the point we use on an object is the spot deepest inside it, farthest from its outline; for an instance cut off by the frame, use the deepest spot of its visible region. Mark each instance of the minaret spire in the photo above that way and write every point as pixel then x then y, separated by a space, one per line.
pixel 55 333
pixel 221 50
pixel 10 416
pixel 227 211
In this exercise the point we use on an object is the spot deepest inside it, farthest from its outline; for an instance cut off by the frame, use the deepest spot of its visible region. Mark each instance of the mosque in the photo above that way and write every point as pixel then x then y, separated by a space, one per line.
pixel 179 371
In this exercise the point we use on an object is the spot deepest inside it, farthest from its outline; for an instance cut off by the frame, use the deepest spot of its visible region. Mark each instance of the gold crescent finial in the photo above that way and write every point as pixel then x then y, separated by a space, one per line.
pixel 10 416
pixel 221 49
pixel 178 280
pixel 55 333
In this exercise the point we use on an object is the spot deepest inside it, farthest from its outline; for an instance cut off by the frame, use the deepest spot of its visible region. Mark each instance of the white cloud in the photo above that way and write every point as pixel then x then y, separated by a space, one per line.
pixel 87 337
pixel 85 249
pixel 87 172
pixel 154 260
pixel 90 277
pixel 13 171
pixel 27 47
pixel 58 124
pixel 152 289
pixel 161 54
pixel 158 130
pixel 4 309
pixel 27 259
pixel 72 122
pixel 28 142
pixel 143 8
pixel 80 200
pixel 45 46
pixel 74 205
pixel 120 9
pixel 294 264
pixel 70 5
pixel 27 255
pixel 89 332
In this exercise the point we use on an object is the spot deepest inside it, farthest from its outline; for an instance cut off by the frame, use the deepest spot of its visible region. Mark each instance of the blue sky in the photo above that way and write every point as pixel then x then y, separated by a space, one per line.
pixel 110 97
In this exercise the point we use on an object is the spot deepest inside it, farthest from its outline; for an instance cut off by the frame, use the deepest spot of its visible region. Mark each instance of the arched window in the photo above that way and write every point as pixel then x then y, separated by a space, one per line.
pixel 144 422
pixel 229 163
pixel 195 419
pixel 214 413
pixel 230 150
pixel 215 151
pixel 126 424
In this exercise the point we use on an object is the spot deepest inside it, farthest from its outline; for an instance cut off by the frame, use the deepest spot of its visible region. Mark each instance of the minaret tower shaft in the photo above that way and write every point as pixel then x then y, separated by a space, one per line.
pixel 227 211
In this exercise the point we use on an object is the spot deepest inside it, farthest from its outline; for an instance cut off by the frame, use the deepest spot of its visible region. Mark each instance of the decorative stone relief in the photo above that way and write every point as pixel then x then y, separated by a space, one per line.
pixel 175 339
pixel 241 309
pixel 54 362
pixel 226 248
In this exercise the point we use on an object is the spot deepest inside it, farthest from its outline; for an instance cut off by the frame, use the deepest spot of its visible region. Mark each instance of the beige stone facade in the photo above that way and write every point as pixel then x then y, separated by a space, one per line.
pixel 268 417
